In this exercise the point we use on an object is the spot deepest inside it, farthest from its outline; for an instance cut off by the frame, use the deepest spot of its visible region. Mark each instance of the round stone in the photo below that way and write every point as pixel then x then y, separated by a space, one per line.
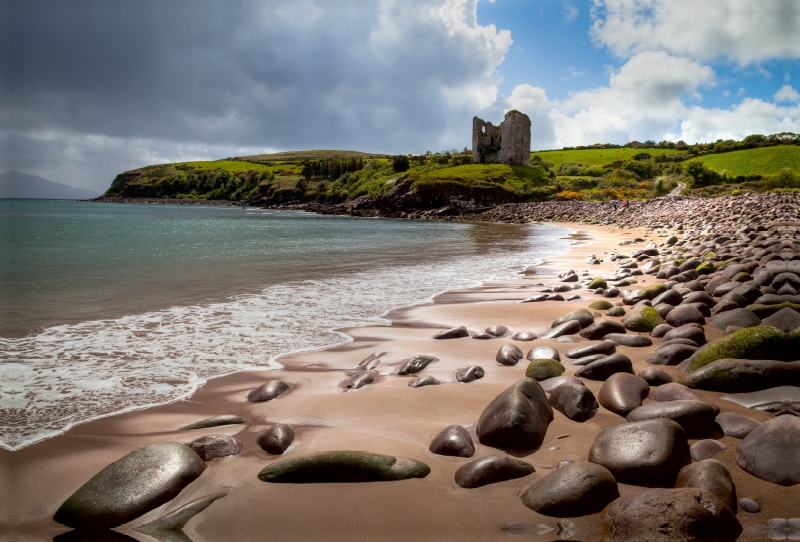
pixel 453 441
pixel 575 489
pixel 276 439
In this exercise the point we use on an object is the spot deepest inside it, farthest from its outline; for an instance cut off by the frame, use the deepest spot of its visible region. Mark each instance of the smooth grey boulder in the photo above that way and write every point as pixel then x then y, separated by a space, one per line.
pixel 416 364
pixel 705 449
pixel 749 505
pixel 576 489
pixel 215 421
pixel 602 327
pixel 524 336
pixel 343 467
pixel 424 380
pixel 170 526
pixel 276 439
pixel 543 352
pixel 735 317
pixel 780 400
pixel 649 452
pixel 696 418
pixel 552 383
pixel 685 314
pixel 268 391
pixel 634 341
pixel 771 451
pixel 453 441
pixel 700 297
pixel 670 297
pixel 691 332
pixel 570 327
pixel 664 515
pixel 453 333
pixel 623 392
pixel 677 392
pixel 584 316
pixel 599 347
pixel 654 376
pixel 743 375
pixel 497 331
pixel 671 354
pixel 131 486
pixel 575 401
pixel 785 319
pixel 604 368
pixel 736 425
pixel 660 330
pixel 687 342
pixel 509 354
pixel 216 446
pixel 587 360
pixel 517 418
pixel 469 374
pixel 490 470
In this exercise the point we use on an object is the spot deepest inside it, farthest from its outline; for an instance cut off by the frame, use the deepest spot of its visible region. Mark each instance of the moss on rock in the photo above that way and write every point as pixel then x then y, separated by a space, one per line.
pixel 601 305
pixel 542 369
pixel 744 276
pixel 642 319
pixel 650 292
pixel 760 342
pixel 597 282
pixel 765 311
pixel 705 268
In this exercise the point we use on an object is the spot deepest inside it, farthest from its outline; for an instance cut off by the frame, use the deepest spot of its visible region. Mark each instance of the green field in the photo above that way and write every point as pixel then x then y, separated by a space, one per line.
pixel 595 157
pixel 762 161
pixel 310 155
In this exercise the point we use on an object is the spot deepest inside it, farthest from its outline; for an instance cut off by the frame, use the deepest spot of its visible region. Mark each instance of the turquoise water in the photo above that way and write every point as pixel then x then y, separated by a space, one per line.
pixel 109 307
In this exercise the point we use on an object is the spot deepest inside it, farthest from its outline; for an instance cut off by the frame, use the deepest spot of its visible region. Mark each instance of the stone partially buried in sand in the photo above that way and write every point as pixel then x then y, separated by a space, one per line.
pixel 453 441
pixel 583 316
pixel 602 327
pixel 469 374
pixel 736 425
pixel 542 369
pixel 216 446
pixel 713 476
pixel 771 451
pixel 544 352
pixel 491 470
pixel 215 421
pixel 605 367
pixel 131 486
pixel 422 381
pixel 415 364
pixel 575 401
pixel 780 400
pixel 276 439
pixel 453 333
pixel 267 391
pixel 642 318
pixel 517 418
pixel 509 354
pixel 742 375
pixel 343 467
pixel 576 489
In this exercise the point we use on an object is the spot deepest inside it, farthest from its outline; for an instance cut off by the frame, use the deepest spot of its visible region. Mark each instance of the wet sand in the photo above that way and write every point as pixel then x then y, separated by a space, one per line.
pixel 385 417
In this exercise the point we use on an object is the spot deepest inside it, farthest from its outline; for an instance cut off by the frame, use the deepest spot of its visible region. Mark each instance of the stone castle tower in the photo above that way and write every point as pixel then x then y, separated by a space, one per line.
pixel 509 143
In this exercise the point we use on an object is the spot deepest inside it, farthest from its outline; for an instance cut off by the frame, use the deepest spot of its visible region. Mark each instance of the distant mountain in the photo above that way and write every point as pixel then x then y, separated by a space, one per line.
pixel 14 184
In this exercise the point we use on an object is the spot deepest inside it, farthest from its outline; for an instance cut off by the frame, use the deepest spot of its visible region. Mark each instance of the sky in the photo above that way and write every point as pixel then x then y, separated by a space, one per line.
pixel 92 88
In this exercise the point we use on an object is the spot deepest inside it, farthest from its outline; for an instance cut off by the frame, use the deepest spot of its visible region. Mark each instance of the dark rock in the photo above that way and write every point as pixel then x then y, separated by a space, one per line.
pixel 544 352
pixel 749 505
pixel 705 449
pixel 736 425
pixel 575 401
pixel 453 333
pixel 267 391
pixel 469 374
pixel 604 368
pixel 601 328
pixel 616 311
pixel 543 369
pixel 517 418
pixel 497 331
pixel 490 470
pixel 421 381
pixel 216 446
pixel 583 316
pixel 634 341
pixel 415 364
pixel 600 305
pixel 678 392
pixel 276 439
pixel 574 490
pixel 509 354
pixel 586 360
pixel 131 486
pixel 654 376
pixel 685 314
pixel 671 354
pixel 700 297
pixel 690 332
pixel 454 441
pixel 216 421
pixel 663 309
pixel 771 451
pixel 567 328
pixel 687 342
pixel 760 342
pixel 735 317
pixel 742 375
pixel 610 292
pixel 660 331
pixel 599 347
pixel 670 297
pixel 343 467
pixel 649 452
pixel 623 392
pixel 711 475
pixel 552 383
pixel 642 318
pixel 696 418
pixel 701 308
pixel 664 515
pixel 785 319
pixel 524 336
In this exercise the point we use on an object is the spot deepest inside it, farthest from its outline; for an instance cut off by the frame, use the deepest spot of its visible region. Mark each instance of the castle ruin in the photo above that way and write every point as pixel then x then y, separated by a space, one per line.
pixel 509 143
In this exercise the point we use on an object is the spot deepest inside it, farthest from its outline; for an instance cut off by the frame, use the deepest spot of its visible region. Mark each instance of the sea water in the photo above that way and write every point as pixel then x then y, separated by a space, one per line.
pixel 110 307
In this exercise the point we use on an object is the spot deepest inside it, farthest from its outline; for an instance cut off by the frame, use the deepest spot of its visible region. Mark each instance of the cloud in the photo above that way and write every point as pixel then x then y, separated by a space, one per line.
pixel 569 13
pixel 738 30
pixel 787 94
pixel 751 116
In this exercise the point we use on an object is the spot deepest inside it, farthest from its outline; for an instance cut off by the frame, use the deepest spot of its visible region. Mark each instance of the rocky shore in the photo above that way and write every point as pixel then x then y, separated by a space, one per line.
pixel 165 201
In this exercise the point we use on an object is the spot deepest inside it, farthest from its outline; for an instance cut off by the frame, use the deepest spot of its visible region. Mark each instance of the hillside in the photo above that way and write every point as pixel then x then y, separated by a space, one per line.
pixel 596 157
pixel 761 161
pixel 15 184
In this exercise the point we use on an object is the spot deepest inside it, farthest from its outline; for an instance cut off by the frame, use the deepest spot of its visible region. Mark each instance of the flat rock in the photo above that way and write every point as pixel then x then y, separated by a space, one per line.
pixel 131 486
pixel 570 327
pixel 660 330
pixel 483 336
pixel 276 439
pixel 517 418
pixel 771 451
pixel 576 489
pixel 490 470
pixel 509 354
pixel 736 425
pixel 424 380
pixel 216 446
pixel 268 391
pixel 575 401
pixel 622 392
pixel 343 467
pixel 672 354
pixel 735 317
pixel 469 374
pixel 452 333
pixel 416 364
pixel 601 328
pixel 543 352
pixel 650 452
pixel 634 341
pixel 665 515
pixel 587 359
pixel 654 376
pixel 780 400
pixel 696 418
pixel 359 379
pixel 604 368
pixel 742 375
pixel 552 383
pixel 713 476
pixel 453 441
pixel 705 449
pixel 215 421
pixel 678 392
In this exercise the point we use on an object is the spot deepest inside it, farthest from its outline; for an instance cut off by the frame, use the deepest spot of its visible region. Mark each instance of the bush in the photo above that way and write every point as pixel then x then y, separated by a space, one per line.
pixel 400 164
pixel 785 179
pixel 568 195
pixel 575 169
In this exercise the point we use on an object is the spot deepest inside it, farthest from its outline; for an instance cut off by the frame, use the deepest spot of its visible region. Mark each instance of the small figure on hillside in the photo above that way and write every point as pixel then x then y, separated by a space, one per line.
pixel 615 204
pixel 625 204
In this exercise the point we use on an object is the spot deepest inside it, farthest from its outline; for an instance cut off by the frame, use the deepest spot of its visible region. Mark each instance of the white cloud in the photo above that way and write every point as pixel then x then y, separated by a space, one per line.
pixel 751 116
pixel 569 13
pixel 787 94
pixel 740 30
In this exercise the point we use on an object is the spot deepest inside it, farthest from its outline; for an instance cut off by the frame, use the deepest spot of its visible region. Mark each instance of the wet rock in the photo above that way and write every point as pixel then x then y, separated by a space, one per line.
pixel 552 383
pixel 574 490
pixel 359 379
pixel 496 331
pixel 415 364
pixel 649 452
pixel 599 347
pixel 670 297
pixel 600 305
pixel 216 421
pixel 453 333
pixel 543 369
pixel 664 515
pixel 131 486
pixel 741 375
pixel 660 331
pixel 642 318
pixel 736 425
pixel 604 368
pixel 616 311
pixel 785 319
pixel 276 439
pixel 713 476
pixel 685 314
pixel 421 381
pixel 601 328
pixel 736 317
pixel 671 354
pixel 597 282
pixel 583 316
pixel 678 392
pixel 573 400
pixel 268 391
pixel 749 505
pixel 634 341
pixel 482 336
pixel 696 418
pixel 771 451
pixel 517 418
pixel 509 354
pixel 623 392
pixel 491 470
pixel 760 342
pixel 687 342
pixel 343 467
pixel 567 328
pixel 611 292
pixel 524 336
pixel 544 352
pixel 216 446
pixel 587 359
pixel 453 441
pixel 469 374
pixel 654 376
pixel 691 332
pixel 705 449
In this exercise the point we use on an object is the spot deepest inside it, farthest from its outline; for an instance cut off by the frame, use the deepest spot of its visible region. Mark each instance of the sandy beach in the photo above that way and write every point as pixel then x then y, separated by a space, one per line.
pixel 385 417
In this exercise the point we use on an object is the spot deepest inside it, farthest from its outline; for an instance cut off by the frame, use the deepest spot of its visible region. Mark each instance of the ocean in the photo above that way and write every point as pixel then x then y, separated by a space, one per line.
pixel 106 308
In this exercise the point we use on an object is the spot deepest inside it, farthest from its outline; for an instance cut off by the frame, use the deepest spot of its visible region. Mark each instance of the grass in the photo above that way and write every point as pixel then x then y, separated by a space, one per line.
pixel 763 161
pixel 234 166
pixel 595 157
pixel 310 155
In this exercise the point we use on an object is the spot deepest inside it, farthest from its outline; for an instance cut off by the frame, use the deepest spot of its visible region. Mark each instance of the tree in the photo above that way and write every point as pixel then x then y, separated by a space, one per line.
pixel 400 163
pixel 695 169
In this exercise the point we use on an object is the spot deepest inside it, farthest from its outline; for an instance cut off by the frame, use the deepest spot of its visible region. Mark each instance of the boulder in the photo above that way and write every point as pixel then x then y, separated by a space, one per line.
pixel 604 368
pixel 622 392
pixel 544 352
pixel 215 421
pixel 216 446
pixel 599 347
pixel 573 400
pixel 490 470
pixel 583 316
pixel 552 383
pixel 137 483
pixel 509 354
pixel 771 451
pixel 587 359
pixel 645 452
pixel 736 317
pixel 597 282
pixel 453 441
pixel 785 319
pixel 654 376
pixel 642 318
pixel 685 314
pixel 713 476
pixel 342 467
pixel 276 439
pixel 600 305
pixel 634 341
pixel 469 374
pixel 735 425
pixel 543 369
pixel 576 489
pixel 415 364
pixel 496 331
pixel 517 418
pixel 670 297
pixel 616 311
pixel 570 327
pixel 671 354
pixel 699 297
pixel 453 333
pixel 692 332
pixel 268 391
pixel 601 328
pixel 696 418
pixel 424 380
pixel 741 375
pixel 780 400
pixel 759 342
pixel 705 449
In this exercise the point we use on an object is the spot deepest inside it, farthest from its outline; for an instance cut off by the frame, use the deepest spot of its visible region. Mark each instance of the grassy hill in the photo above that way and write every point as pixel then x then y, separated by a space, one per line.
pixel 595 157
pixel 761 161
